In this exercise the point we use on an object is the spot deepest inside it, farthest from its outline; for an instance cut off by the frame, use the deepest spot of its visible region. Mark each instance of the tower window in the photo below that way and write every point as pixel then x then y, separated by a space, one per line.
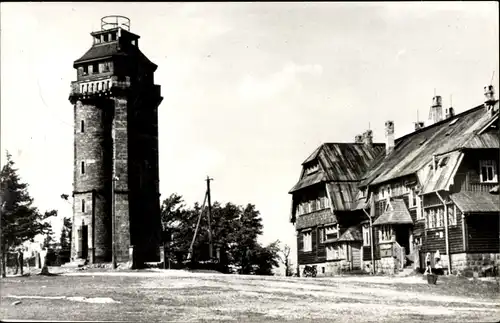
pixel 83 167
pixel 83 205
pixel 82 126
pixel 133 42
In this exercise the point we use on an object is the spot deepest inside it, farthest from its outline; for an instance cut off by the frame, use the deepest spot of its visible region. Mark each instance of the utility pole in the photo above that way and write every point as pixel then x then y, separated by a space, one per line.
pixel 113 208
pixel 209 217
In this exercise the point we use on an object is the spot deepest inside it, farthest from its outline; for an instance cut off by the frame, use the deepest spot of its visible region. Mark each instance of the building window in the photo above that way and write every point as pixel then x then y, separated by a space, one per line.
pixel 452 215
pixel 83 206
pixel 312 169
pixel 82 126
pixel 307 238
pixel 386 233
pixel 95 68
pixel 335 252
pixel 488 171
pixel 113 36
pixel 105 67
pixel 413 198
pixel 440 217
pixel 85 70
pixel 366 235
pixel 314 205
pixel 328 233
pixel 83 167
pixel 419 208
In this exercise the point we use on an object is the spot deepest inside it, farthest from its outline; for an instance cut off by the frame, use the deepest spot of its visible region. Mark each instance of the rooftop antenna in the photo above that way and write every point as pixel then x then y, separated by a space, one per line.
pixel 368 125
pixel 492 76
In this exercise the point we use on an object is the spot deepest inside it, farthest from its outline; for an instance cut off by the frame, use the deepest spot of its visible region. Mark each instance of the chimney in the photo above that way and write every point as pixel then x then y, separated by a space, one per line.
pixel 389 136
pixel 436 111
pixel 368 138
pixel 419 125
pixel 489 98
pixel 449 113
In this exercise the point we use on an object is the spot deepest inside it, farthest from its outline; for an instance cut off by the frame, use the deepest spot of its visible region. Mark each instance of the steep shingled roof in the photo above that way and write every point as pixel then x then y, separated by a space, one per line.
pixel 342 166
pixel 396 212
pixel 415 150
pixel 351 234
pixel 340 162
pixel 470 202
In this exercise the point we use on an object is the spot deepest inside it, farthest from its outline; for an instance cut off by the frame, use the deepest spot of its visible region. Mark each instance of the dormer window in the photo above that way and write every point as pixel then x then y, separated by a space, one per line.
pixel 488 171
pixel 312 169
pixel 95 68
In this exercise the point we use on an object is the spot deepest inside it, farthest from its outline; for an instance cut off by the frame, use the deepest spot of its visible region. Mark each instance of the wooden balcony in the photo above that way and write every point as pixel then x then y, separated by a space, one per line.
pixel 481 187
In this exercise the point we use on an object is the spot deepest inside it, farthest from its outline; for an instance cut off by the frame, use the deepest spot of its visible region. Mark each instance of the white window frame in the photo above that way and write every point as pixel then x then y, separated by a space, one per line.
pixel 488 164
pixel 385 233
pixel 326 230
pixel 366 235
pixel 452 215
pixel 307 241
pixel 420 213
pixel 312 169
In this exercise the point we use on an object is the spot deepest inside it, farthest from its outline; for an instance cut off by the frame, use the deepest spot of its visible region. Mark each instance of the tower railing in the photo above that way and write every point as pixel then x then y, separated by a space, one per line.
pixel 115 21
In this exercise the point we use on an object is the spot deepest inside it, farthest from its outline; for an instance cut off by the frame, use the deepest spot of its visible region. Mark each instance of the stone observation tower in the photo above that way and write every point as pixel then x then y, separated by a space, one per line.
pixel 116 184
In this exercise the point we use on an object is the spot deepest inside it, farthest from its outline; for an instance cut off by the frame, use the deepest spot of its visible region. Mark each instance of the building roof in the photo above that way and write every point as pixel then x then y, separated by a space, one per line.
pixel 99 51
pixel 351 234
pixel 309 180
pixel 471 202
pixel 342 195
pixel 339 162
pixel 396 212
pixel 415 150
pixel 112 49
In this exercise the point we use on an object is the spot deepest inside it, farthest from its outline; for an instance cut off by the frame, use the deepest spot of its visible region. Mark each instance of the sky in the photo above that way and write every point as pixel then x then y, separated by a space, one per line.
pixel 250 89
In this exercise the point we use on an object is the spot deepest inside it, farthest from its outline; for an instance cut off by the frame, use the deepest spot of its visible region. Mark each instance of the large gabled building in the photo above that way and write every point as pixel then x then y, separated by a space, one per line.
pixel 328 234
pixel 429 191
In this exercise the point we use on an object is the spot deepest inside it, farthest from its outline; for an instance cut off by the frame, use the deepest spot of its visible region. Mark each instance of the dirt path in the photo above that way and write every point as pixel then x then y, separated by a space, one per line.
pixel 186 296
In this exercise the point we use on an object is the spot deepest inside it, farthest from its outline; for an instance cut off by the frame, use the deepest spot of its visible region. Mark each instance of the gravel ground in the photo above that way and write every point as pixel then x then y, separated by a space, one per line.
pixel 181 296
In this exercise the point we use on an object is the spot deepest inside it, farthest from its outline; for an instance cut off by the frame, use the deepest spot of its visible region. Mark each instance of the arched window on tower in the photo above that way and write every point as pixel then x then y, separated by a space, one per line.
pixel 83 167
pixel 83 205
pixel 82 126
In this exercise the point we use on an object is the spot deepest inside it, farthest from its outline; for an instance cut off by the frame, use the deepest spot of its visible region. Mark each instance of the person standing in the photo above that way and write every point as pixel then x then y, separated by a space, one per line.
pixel 428 269
pixel 19 261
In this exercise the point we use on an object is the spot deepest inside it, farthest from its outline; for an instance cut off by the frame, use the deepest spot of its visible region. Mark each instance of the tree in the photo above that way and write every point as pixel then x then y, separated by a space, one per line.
pixel 249 228
pixel 284 256
pixel 49 242
pixel 235 230
pixel 266 258
pixel 20 220
pixel 65 240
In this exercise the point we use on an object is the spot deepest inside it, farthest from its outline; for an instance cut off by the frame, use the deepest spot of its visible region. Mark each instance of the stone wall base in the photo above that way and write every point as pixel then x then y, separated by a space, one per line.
pixel 479 263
